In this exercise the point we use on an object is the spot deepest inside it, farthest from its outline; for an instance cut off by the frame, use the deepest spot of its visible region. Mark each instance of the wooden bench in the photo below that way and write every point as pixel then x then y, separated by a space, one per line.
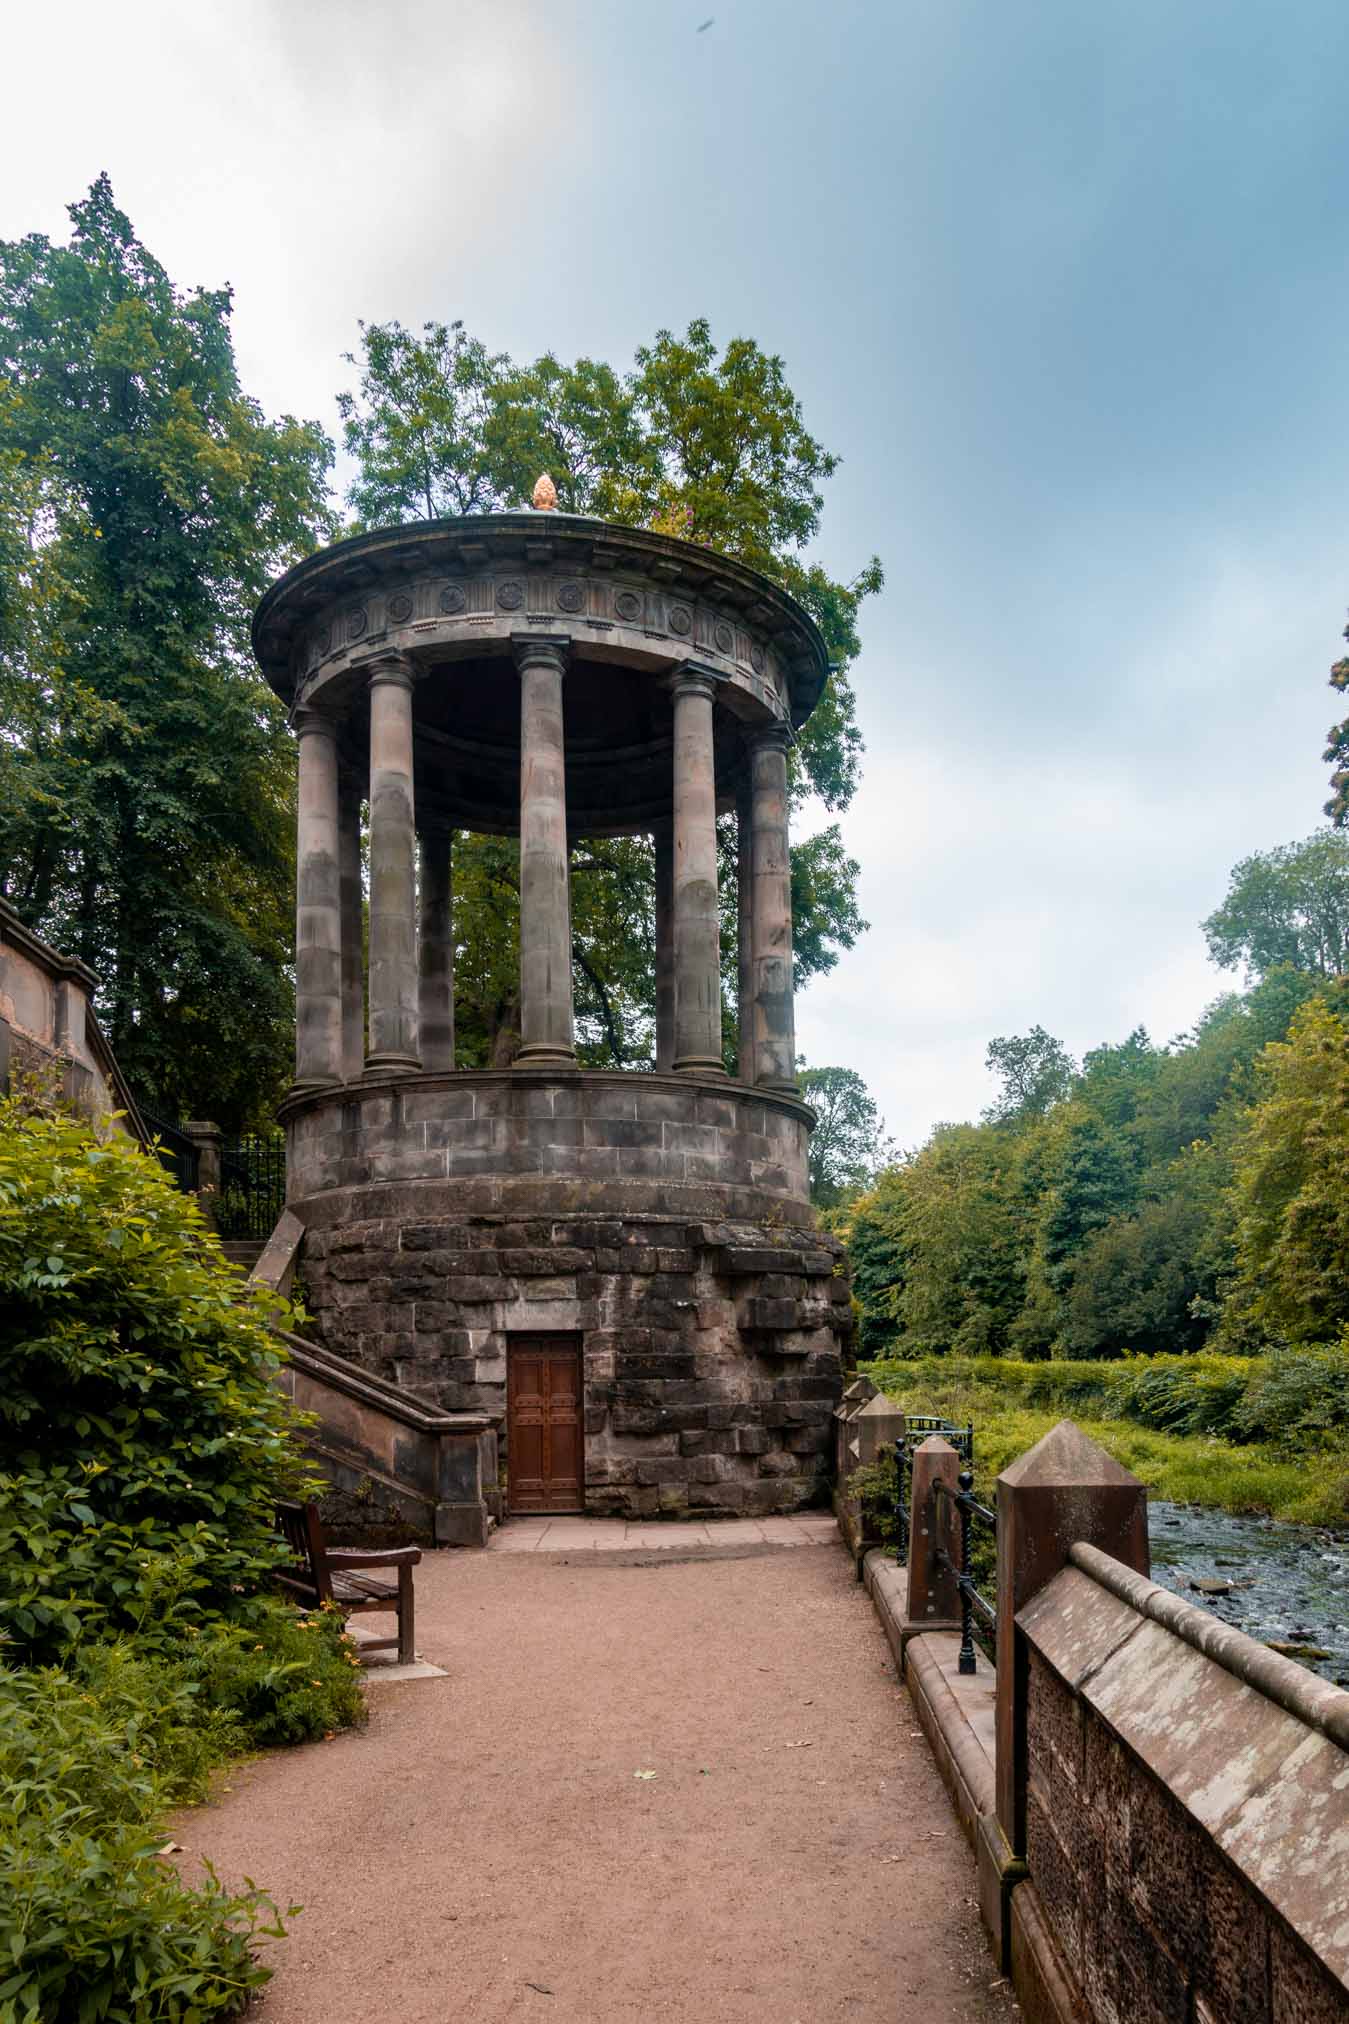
pixel 321 1573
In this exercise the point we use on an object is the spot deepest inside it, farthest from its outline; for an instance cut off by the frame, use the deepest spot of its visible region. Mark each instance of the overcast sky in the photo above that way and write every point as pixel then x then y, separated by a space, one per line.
pixel 1066 285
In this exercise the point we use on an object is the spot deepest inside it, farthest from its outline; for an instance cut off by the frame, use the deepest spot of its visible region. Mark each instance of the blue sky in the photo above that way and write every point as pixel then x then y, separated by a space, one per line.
pixel 1065 286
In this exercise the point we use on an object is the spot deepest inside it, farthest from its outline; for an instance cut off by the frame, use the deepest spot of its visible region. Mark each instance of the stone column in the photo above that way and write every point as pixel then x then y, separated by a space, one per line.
pixel 697 928
pixel 744 929
pixel 437 948
pixel 318 929
pixel 774 1018
pixel 665 974
pixel 353 924
pixel 393 878
pixel 545 905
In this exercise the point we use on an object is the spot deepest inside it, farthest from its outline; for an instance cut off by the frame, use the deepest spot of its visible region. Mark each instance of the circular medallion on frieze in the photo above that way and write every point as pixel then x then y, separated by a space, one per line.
pixel 356 623
pixel 570 596
pixel 723 636
pixel 400 606
pixel 452 600
pixel 756 659
pixel 628 605
pixel 679 619
pixel 510 596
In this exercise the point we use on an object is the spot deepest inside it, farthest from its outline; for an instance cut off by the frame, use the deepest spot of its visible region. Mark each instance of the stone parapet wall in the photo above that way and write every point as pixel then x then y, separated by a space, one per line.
pixel 1187 1838
pixel 671 1131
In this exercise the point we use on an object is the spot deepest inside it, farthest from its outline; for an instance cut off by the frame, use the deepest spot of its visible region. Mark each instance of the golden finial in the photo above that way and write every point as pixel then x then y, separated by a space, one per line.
pixel 545 495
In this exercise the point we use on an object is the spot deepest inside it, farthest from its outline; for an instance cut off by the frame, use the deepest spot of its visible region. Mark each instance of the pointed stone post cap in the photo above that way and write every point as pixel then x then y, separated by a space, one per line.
pixel 545 495
pixel 1066 1456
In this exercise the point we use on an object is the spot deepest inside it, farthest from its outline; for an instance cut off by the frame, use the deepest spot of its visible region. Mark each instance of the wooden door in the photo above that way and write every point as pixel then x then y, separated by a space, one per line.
pixel 544 1449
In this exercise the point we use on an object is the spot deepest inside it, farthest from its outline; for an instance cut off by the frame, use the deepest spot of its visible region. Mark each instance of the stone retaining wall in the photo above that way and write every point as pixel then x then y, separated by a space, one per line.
pixel 662 1220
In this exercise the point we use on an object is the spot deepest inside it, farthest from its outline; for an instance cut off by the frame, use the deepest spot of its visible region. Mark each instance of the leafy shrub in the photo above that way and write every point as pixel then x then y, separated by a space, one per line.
pixel 143 1441
pixel 1296 1397
pixel 92 1924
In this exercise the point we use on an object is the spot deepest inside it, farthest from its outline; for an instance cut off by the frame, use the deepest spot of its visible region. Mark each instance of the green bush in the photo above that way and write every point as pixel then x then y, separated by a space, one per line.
pixel 92 1923
pixel 143 1441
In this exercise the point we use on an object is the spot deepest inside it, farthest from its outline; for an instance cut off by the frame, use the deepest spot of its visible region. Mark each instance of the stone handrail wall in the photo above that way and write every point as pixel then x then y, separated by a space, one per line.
pixel 1159 1805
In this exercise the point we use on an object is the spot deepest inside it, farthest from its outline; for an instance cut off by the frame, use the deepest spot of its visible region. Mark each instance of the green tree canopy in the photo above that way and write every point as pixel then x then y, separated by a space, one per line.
pixel 1286 906
pixel 707 444
pixel 848 1146
pixel 145 771
pixel 1035 1071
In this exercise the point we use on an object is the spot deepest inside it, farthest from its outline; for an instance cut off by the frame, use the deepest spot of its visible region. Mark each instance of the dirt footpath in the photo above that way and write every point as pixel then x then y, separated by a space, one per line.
pixel 487 1850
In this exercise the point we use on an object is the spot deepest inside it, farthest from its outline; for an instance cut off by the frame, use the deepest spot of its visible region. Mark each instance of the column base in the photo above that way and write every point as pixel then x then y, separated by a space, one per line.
pixel 391 1063
pixel 776 1088
pixel 543 1054
pixel 700 1064
pixel 305 1085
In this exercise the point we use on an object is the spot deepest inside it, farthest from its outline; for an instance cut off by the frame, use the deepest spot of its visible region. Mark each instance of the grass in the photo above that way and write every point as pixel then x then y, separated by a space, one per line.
pixel 1303 1477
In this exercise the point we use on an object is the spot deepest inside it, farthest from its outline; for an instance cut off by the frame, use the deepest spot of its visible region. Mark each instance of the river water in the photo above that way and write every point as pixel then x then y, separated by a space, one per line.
pixel 1290 1583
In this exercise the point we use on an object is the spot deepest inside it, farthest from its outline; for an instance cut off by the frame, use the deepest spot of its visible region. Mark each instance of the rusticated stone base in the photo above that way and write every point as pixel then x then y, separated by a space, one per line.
pixel 712 1348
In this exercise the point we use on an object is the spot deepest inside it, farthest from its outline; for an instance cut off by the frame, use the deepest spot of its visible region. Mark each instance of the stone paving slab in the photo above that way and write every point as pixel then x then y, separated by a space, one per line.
pixel 617 1535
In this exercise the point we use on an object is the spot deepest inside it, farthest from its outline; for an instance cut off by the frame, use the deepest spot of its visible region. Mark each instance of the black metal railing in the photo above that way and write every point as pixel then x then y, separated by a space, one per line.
pixel 174 1150
pixel 971 1601
pixel 252 1188
pixel 917 1428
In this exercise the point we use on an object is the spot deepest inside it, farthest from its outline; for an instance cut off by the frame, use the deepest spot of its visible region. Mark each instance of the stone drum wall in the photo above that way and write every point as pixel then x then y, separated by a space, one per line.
pixel 662 1221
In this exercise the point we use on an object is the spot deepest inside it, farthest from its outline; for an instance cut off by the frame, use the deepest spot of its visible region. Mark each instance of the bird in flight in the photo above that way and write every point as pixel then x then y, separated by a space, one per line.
pixel 703 26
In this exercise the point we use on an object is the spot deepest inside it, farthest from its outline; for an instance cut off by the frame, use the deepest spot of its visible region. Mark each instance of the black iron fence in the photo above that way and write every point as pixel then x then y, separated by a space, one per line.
pixel 252 1187
pixel 968 1509
pixel 174 1150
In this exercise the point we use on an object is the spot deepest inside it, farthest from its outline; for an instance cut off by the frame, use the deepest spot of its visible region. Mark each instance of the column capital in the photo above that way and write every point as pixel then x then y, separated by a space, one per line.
pixel 394 668
pixel 550 650
pixel 305 720
pixel 777 736
pixel 692 680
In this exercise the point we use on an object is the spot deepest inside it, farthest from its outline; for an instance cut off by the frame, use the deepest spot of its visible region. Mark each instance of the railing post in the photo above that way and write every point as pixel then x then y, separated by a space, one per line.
pixel 934 1597
pixel 208 1139
pixel 1062 1490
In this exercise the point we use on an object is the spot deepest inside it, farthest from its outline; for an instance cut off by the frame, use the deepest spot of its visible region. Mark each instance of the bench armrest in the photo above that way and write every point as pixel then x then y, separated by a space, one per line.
pixel 386 1556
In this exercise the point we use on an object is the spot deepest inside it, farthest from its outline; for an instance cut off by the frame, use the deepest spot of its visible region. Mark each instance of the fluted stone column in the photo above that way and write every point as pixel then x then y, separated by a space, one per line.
pixel 665 974
pixel 774 1012
pixel 437 948
pixel 393 878
pixel 744 929
pixel 352 905
pixel 545 900
pixel 318 924
pixel 697 937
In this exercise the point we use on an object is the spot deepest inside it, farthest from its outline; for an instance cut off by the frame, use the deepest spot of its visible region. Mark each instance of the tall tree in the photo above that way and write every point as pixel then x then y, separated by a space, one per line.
pixel 848 1146
pixel 706 444
pixel 1035 1070
pixel 1286 906
pixel 145 773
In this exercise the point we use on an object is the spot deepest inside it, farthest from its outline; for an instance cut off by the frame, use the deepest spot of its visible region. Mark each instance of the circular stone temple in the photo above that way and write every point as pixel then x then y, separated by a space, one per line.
pixel 619 1269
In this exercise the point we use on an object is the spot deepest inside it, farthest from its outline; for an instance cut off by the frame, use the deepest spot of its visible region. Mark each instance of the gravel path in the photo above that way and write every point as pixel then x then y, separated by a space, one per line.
pixel 485 1851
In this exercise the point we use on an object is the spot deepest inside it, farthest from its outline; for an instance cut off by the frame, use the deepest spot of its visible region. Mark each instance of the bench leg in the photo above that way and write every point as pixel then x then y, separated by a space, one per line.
pixel 406 1627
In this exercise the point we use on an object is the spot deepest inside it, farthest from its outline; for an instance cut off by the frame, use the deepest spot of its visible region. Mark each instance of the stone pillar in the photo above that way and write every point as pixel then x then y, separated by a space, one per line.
pixel 1062 1490
pixel 697 928
pixel 208 1138
pixel 665 974
pixel 437 948
pixel 546 1037
pixel 774 1018
pixel 352 897
pixel 393 876
pixel 744 929
pixel 318 928
pixel 933 1597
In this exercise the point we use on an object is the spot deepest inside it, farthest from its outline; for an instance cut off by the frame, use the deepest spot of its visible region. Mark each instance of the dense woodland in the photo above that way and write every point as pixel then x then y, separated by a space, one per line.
pixel 1151 1198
